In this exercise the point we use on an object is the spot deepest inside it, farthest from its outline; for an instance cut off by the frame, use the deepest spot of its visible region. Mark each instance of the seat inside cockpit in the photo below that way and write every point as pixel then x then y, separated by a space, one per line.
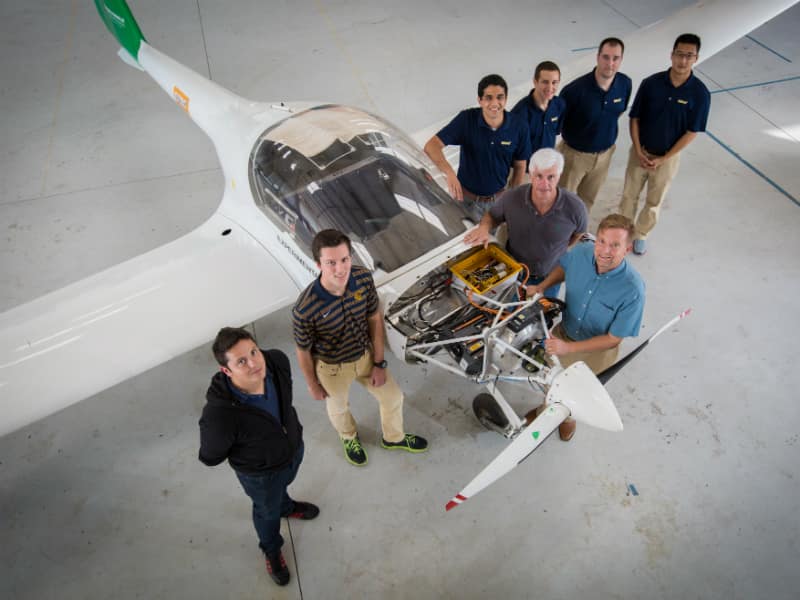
pixel 341 168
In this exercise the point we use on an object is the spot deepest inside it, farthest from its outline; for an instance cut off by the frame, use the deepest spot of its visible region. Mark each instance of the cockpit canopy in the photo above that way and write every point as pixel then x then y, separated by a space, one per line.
pixel 336 167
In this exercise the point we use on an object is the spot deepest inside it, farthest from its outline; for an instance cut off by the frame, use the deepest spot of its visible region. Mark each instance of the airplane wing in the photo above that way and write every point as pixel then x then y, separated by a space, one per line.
pixel 88 336
pixel 719 23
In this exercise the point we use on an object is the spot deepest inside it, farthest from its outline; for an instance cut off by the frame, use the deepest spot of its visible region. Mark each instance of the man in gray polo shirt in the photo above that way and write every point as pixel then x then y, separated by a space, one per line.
pixel 543 219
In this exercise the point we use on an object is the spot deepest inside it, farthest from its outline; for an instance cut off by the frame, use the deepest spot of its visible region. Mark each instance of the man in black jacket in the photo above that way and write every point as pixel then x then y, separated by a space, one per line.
pixel 249 419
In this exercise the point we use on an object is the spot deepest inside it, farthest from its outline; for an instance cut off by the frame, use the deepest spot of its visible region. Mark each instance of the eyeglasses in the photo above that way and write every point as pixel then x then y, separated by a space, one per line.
pixel 682 55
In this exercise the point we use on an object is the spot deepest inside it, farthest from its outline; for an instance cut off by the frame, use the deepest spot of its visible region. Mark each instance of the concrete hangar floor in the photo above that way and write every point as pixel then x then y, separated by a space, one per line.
pixel 697 498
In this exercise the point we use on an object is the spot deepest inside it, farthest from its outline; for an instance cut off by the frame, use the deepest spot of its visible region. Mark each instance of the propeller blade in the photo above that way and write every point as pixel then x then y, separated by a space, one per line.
pixel 574 391
pixel 517 451
pixel 577 388
pixel 608 373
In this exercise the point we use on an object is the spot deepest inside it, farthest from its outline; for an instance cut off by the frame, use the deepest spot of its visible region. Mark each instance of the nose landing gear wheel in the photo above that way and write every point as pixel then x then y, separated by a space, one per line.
pixel 489 413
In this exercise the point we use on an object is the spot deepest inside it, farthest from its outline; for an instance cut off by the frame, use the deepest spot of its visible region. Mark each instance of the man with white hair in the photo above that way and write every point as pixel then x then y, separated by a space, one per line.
pixel 543 220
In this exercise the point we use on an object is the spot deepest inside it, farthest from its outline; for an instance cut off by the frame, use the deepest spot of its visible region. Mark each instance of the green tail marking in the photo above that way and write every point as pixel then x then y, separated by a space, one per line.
pixel 535 435
pixel 119 20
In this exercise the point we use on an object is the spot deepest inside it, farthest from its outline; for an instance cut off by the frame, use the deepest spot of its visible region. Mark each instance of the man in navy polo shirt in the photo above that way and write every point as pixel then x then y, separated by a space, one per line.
pixel 605 301
pixel 594 103
pixel 669 110
pixel 541 109
pixel 493 142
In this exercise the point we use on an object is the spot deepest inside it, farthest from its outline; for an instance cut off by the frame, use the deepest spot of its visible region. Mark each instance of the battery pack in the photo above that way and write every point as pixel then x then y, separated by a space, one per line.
pixel 486 269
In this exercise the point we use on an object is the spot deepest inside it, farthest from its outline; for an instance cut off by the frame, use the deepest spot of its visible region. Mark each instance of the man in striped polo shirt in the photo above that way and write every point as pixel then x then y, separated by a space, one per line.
pixel 338 329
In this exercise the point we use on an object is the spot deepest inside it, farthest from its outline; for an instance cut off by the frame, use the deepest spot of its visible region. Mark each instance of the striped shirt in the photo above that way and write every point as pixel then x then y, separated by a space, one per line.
pixel 335 328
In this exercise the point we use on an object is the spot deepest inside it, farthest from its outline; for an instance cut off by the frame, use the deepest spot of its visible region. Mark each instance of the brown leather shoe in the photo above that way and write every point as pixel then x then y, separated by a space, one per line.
pixel 567 429
pixel 533 413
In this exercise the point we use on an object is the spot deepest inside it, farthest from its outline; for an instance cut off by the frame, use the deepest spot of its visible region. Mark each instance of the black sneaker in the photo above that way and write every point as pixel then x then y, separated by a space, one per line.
pixel 303 510
pixel 410 443
pixel 276 567
pixel 354 452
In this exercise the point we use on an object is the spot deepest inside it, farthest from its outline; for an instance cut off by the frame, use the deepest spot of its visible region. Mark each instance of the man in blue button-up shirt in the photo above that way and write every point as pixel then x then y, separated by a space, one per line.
pixel 605 300
pixel 594 103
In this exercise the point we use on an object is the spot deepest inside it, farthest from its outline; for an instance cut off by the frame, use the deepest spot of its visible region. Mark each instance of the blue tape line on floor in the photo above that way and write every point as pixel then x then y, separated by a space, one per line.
pixel 751 38
pixel 751 85
pixel 752 168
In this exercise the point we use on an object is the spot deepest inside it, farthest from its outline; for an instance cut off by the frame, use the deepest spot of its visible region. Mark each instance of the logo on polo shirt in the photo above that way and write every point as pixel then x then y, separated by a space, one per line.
pixel 504 143
pixel 554 118
pixel 617 100
pixel 682 101
pixel 359 294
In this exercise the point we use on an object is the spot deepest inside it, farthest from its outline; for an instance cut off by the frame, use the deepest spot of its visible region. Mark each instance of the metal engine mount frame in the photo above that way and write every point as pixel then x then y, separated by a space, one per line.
pixel 496 346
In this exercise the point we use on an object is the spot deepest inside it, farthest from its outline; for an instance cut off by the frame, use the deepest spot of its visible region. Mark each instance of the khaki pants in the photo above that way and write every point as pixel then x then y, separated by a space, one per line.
pixel 636 177
pixel 597 361
pixel 337 379
pixel 584 172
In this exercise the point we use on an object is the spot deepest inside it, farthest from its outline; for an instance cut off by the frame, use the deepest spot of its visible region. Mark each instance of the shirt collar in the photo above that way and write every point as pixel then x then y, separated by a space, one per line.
pixel 597 85
pixel 325 295
pixel 556 203
pixel 504 125
pixel 559 198
pixel 623 266
pixel 244 396
pixel 668 81
pixel 532 103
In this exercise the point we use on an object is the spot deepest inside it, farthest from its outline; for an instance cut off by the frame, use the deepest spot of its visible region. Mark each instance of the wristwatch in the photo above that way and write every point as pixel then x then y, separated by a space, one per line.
pixel 380 364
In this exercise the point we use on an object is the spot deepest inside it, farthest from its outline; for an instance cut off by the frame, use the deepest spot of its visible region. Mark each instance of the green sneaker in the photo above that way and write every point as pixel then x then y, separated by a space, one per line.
pixel 410 443
pixel 354 452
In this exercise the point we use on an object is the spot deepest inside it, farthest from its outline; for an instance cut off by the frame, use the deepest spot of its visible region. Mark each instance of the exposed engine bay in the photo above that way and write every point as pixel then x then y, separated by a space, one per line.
pixel 466 317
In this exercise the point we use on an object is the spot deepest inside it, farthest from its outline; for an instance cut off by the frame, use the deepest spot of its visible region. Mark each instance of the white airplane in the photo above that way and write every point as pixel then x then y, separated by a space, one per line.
pixel 290 170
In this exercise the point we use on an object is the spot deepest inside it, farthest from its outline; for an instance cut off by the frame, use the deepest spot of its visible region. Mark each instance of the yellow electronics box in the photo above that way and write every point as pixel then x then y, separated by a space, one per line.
pixel 486 269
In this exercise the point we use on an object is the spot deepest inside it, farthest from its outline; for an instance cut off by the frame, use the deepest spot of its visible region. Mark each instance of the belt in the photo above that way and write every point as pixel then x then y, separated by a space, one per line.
pixel 649 153
pixel 584 152
pixel 477 197
pixel 341 362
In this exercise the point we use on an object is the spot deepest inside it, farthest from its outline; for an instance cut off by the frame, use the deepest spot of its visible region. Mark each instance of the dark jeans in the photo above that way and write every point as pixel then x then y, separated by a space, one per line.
pixel 270 501
pixel 478 207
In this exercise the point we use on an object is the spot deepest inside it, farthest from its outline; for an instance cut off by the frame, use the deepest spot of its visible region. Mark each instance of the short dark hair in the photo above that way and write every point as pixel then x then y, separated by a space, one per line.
pixel 545 65
pixel 613 41
pixel 492 79
pixel 687 38
pixel 617 221
pixel 328 238
pixel 227 338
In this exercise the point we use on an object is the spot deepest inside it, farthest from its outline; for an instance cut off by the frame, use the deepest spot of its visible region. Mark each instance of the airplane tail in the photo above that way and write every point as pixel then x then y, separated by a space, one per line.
pixel 220 113
pixel 120 22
